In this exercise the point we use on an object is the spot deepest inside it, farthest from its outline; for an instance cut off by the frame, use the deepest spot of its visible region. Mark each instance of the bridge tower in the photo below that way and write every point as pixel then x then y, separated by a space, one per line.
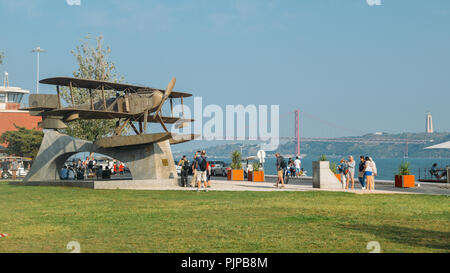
pixel 297 132
pixel 429 123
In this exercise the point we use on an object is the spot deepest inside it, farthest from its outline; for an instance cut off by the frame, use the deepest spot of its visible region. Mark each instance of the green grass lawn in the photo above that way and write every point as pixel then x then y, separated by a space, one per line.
pixel 45 219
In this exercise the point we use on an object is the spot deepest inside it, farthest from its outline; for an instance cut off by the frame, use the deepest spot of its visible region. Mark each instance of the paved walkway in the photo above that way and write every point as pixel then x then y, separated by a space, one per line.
pixel 306 185
pixel 221 184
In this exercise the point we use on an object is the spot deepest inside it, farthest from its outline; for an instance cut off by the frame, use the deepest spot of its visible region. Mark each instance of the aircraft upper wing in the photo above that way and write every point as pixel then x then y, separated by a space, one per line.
pixel 87 114
pixel 100 114
pixel 94 84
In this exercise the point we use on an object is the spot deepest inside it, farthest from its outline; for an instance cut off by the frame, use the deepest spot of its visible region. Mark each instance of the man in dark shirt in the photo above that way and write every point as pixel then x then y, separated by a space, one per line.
pixel 361 173
pixel 202 163
pixel 5 167
pixel 184 163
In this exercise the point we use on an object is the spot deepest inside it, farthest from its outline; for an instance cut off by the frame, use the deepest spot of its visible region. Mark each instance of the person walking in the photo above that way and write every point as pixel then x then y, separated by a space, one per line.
pixel 361 172
pixel 184 163
pixel 368 171
pixel 298 166
pixel 281 165
pixel 202 163
pixel 351 171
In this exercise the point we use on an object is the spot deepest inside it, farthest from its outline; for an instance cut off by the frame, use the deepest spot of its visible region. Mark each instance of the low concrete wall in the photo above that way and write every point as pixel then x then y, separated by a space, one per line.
pixel 104 184
pixel 77 184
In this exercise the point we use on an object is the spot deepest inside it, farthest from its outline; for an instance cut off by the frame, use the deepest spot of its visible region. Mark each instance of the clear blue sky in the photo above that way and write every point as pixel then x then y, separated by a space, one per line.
pixel 366 68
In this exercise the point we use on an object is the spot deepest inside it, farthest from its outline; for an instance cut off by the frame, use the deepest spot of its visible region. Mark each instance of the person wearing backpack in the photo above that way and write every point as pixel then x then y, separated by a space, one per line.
pixel 202 168
pixel 184 163
pixel 281 166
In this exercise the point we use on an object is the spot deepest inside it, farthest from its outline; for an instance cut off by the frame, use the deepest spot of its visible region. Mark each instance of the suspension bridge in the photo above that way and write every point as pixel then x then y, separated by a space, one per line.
pixel 373 139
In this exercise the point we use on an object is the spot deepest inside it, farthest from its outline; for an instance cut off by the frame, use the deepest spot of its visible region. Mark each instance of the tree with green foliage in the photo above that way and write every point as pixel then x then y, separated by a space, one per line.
pixel 2 57
pixel 93 64
pixel 23 142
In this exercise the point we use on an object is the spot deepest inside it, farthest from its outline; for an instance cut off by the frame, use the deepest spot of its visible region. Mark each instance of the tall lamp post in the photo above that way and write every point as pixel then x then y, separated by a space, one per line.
pixel 38 51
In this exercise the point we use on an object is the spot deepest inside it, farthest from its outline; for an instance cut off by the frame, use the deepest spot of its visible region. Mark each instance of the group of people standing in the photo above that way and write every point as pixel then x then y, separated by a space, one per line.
pixel 201 171
pixel 294 168
pixel 285 170
pixel 89 168
pixel 10 165
pixel 367 170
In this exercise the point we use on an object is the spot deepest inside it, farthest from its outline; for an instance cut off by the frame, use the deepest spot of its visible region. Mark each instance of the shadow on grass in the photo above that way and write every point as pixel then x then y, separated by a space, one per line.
pixel 408 236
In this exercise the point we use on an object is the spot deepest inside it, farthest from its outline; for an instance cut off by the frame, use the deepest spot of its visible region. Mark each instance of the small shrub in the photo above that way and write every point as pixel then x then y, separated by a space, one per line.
pixel 256 166
pixel 236 161
pixel 404 169
pixel 333 167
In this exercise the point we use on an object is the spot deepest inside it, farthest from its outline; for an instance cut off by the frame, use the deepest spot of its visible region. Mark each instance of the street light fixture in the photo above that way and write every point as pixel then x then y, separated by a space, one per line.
pixel 37 50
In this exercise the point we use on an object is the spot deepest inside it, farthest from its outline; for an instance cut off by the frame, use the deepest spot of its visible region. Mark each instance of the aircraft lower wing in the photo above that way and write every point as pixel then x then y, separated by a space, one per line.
pixel 101 114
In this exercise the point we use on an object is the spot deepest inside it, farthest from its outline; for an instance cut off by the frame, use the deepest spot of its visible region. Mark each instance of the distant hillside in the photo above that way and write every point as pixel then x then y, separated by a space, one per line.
pixel 382 150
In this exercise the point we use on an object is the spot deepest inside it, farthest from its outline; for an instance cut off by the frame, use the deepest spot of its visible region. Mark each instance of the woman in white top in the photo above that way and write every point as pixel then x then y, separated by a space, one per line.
pixel 374 168
pixel 368 171
pixel 351 172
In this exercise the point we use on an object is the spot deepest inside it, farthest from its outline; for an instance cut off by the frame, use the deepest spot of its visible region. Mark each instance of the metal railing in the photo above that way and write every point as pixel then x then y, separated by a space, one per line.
pixel 437 175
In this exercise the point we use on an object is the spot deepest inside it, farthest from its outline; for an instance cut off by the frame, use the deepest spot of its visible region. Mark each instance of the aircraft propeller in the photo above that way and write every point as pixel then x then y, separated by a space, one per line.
pixel 167 93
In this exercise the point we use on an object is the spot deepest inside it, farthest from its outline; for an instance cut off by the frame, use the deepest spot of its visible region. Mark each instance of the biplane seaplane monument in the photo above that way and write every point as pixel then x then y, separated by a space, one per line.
pixel 148 156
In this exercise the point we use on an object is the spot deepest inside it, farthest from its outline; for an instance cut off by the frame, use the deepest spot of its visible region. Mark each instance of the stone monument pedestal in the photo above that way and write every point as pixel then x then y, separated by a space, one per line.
pixel 323 177
pixel 151 162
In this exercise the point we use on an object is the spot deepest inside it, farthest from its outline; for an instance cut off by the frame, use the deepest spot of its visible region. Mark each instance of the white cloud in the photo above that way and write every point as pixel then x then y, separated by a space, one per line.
pixel 73 2
pixel 374 2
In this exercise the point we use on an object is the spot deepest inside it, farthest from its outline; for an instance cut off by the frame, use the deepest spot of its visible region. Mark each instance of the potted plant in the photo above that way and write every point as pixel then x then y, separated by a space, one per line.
pixel 257 174
pixel 236 173
pixel 333 168
pixel 404 179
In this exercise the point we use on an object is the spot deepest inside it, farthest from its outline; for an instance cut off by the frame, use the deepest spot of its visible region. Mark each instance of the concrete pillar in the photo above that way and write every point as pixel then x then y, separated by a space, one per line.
pixel 448 175
pixel 323 177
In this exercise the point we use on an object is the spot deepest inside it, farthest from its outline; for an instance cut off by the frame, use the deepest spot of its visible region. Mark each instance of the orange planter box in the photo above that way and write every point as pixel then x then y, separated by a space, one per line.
pixel 405 181
pixel 235 175
pixel 257 176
